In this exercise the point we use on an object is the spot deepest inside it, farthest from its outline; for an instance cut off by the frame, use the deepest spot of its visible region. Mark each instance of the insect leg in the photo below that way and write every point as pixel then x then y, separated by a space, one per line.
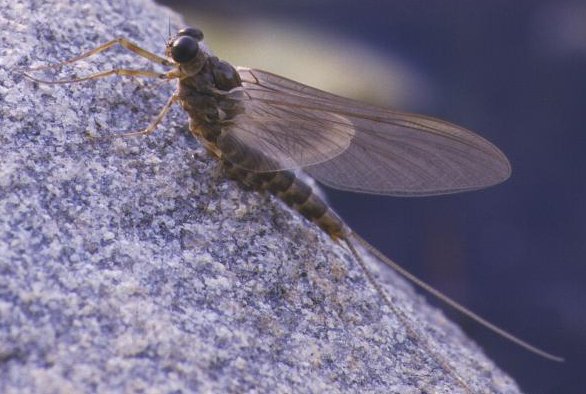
pixel 123 42
pixel 118 71
pixel 153 125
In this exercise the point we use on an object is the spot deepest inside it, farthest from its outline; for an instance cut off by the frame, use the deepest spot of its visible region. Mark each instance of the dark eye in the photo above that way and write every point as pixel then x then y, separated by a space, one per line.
pixel 184 49
pixel 191 32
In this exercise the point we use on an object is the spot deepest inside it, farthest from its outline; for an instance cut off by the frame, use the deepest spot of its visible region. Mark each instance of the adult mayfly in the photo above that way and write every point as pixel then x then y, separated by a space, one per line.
pixel 264 129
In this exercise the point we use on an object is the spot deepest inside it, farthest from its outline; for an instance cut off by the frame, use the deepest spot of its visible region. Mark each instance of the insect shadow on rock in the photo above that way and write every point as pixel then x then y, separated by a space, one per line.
pixel 264 129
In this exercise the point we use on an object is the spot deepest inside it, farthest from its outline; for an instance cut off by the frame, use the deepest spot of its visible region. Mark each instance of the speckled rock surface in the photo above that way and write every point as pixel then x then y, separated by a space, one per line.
pixel 127 265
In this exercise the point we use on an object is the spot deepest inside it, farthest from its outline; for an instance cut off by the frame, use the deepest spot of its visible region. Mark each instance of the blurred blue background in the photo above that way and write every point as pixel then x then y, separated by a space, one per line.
pixel 515 72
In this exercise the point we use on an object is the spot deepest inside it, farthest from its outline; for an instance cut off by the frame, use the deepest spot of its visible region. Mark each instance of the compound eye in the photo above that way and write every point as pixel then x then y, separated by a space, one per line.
pixel 184 49
pixel 191 32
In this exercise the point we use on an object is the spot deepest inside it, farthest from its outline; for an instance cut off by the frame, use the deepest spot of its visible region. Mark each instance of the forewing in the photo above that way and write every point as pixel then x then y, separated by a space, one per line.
pixel 279 130
pixel 354 146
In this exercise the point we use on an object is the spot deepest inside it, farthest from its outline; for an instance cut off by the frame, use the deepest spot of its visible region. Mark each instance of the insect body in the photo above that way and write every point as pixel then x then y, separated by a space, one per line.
pixel 214 99
pixel 263 128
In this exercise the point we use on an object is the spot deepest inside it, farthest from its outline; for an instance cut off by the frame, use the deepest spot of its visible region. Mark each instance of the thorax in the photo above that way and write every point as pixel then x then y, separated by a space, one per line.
pixel 209 98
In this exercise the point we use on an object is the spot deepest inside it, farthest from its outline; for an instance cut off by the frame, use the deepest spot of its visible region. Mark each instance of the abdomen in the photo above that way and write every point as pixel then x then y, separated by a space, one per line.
pixel 296 193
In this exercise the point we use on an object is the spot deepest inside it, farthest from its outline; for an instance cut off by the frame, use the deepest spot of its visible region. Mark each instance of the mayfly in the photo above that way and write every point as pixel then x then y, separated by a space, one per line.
pixel 264 128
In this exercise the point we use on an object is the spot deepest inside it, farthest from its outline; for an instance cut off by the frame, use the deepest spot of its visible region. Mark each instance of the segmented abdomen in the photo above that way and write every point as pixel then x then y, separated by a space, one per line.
pixel 297 194
pixel 207 124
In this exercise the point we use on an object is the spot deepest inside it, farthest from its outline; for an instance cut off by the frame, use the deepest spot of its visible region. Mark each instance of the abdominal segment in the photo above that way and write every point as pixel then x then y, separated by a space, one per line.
pixel 297 194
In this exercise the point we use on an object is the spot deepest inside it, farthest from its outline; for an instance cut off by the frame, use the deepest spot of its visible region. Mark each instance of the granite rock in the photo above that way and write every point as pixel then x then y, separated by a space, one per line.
pixel 130 265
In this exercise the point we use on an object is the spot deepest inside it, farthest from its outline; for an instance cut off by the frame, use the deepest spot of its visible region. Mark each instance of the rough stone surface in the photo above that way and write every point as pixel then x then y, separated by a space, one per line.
pixel 127 265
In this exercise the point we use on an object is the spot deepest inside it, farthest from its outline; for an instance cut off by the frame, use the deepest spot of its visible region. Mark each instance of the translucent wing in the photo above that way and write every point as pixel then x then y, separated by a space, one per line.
pixel 278 130
pixel 353 146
